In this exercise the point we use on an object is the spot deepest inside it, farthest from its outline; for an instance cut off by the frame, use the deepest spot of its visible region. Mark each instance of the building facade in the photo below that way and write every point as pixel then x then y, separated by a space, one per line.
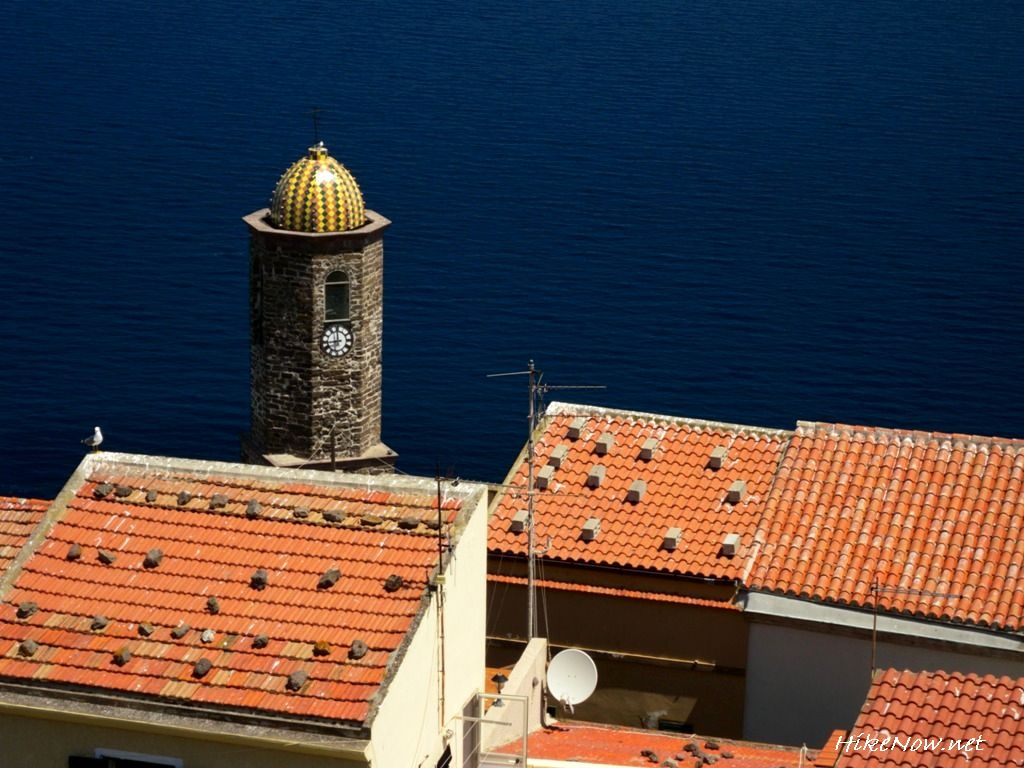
pixel 183 614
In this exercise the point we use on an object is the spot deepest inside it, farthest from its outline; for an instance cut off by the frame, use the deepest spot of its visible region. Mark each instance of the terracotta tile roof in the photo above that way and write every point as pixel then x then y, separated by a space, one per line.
pixel 18 518
pixel 944 706
pixel 678 489
pixel 936 518
pixel 616 745
pixel 631 594
pixel 215 531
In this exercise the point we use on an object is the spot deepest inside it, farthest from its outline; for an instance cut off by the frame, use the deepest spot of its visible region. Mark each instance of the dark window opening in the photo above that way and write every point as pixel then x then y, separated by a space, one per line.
pixel 675 726
pixel 336 298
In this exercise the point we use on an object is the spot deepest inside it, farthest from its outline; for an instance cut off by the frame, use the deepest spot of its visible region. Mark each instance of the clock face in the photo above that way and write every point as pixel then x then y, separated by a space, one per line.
pixel 337 340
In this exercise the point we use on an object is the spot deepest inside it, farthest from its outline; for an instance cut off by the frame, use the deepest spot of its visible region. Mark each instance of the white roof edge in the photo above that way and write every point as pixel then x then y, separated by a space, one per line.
pixel 780 606
pixel 580 409
pixel 388 481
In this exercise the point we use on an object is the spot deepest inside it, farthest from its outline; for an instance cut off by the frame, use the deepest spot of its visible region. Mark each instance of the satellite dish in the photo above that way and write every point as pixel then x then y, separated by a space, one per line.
pixel 572 677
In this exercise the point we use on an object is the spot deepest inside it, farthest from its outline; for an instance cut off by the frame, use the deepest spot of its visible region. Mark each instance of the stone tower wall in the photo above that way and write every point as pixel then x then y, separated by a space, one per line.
pixel 300 396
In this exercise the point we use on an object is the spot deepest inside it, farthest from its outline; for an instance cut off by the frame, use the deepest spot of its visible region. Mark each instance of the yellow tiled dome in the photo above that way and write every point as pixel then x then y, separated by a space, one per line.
pixel 317 194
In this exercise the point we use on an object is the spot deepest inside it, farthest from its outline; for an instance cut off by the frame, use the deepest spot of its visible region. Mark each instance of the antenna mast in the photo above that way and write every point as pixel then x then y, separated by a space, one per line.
pixel 536 391
pixel 531 560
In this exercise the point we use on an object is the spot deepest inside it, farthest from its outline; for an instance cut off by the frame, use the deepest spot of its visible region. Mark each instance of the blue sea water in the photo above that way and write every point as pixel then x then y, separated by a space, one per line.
pixel 741 210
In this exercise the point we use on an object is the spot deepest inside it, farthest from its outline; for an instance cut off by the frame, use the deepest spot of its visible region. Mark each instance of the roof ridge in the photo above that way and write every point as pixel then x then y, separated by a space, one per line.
pixel 580 409
pixel 767 515
pixel 816 427
pixel 21 502
pixel 224 471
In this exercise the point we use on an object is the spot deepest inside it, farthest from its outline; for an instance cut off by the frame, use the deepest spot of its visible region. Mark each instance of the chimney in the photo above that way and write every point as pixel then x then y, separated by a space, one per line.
pixel 671 541
pixel 576 428
pixel 518 524
pixel 730 544
pixel 636 491
pixel 736 492
pixel 604 444
pixel 558 456
pixel 543 478
pixel 648 448
pixel 590 529
pixel 595 476
pixel 717 457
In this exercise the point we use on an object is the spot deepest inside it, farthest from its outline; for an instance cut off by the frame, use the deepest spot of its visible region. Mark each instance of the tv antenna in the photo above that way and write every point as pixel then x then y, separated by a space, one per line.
pixel 536 389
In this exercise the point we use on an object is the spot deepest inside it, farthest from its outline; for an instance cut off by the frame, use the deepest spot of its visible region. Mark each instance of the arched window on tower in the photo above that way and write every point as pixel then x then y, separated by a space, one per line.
pixel 336 304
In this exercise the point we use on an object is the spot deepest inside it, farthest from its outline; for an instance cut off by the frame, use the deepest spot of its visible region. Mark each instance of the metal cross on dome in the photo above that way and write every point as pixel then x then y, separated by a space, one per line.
pixel 315 114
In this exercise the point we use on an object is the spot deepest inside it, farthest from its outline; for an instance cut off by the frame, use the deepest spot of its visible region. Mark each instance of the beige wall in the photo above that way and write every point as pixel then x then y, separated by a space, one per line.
pixel 408 731
pixel 685 662
pixel 523 699
pixel 47 742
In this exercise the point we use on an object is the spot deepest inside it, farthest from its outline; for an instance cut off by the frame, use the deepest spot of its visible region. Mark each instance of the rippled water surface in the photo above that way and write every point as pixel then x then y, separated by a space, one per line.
pixel 754 212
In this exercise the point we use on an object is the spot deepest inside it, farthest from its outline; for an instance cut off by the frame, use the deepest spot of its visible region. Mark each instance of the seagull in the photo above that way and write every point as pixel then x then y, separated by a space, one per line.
pixel 94 440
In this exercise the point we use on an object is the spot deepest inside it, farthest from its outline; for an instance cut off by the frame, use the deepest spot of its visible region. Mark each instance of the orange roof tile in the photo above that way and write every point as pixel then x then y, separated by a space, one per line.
pixel 631 594
pixel 936 518
pixel 680 490
pixel 212 544
pixel 18 518
pixel 942 706
pixel 616 745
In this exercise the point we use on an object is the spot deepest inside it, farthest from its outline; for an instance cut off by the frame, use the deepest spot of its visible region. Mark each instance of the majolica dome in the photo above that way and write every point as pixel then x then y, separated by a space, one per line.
pixel 317 194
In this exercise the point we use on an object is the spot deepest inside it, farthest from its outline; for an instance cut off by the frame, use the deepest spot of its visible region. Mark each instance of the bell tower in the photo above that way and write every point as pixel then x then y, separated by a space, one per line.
pixel 316 289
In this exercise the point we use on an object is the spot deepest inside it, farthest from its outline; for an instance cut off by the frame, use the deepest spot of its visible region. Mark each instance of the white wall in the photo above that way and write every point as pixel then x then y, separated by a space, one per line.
pixel 408 731
pixel 526 679
pixel 803 684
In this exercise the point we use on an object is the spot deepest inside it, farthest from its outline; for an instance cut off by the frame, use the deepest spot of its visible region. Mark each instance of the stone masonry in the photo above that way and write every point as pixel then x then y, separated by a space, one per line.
pixel 303 400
